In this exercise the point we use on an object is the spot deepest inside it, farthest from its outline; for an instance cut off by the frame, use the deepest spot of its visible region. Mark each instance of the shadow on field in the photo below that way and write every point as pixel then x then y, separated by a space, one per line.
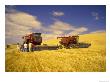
pixel 46 47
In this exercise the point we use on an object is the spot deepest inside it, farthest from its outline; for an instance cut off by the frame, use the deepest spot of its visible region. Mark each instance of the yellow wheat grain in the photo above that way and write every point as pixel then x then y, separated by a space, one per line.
pixel 92 59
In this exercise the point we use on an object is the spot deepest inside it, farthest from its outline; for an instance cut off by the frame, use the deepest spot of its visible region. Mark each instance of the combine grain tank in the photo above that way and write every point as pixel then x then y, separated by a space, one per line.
pixel 68 42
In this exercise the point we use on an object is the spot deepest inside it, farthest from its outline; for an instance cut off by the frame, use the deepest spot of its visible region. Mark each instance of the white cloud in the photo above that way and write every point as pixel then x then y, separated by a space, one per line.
pixel 24 19
pixel 59 25
pixel 95 15
pixel 57 32
pixel 49 36
pixel 98 31
pixel 78 30
pixel 60 28
pixel 58 13
pixel 18 24
pixel 81 29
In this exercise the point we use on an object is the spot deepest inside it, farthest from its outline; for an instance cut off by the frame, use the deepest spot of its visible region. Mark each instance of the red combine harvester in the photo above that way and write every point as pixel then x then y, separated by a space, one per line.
pixel 34 38
pixel 72 42
pixel 69 42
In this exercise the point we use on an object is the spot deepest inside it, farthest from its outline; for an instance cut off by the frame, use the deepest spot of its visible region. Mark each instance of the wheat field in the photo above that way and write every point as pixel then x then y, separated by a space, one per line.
pixel 92 59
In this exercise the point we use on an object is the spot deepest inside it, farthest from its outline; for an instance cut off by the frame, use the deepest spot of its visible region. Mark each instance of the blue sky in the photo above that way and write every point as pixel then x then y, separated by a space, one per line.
pixel 56 19
pixel 75 15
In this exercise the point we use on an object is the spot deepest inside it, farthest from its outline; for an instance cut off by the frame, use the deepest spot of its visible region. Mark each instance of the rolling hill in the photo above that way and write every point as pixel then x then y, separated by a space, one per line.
pixel 92 59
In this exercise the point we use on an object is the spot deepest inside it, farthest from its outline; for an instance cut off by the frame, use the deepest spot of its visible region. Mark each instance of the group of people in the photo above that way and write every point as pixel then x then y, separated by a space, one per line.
pixel 26 47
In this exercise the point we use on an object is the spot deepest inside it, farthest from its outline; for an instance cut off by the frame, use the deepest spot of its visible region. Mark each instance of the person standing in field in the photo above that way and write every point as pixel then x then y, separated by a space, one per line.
pixel 18 47
pixel 25 47
pixel 30 47
pixel 22 48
